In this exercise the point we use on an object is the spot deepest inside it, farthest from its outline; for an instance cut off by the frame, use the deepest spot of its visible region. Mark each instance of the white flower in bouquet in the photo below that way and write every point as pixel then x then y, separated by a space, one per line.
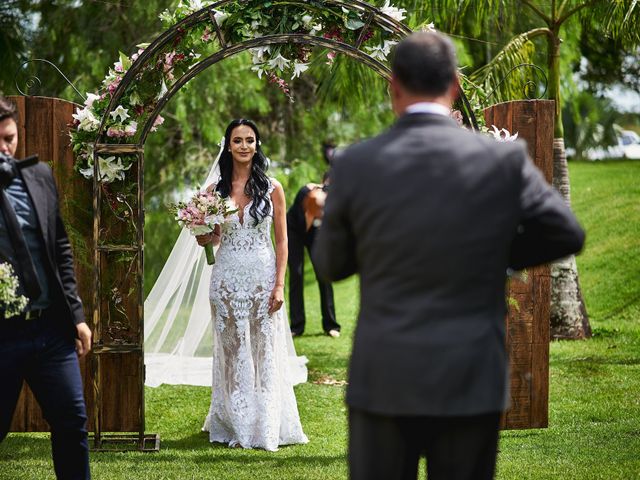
pixel 11 303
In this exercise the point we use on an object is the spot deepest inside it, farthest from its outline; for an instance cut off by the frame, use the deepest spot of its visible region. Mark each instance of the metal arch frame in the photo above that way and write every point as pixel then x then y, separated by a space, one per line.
pixel 205 15
pixel 372 16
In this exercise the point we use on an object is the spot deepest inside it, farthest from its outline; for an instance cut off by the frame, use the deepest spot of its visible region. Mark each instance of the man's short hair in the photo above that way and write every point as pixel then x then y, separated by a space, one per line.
pixel 8 110
pixel 425 63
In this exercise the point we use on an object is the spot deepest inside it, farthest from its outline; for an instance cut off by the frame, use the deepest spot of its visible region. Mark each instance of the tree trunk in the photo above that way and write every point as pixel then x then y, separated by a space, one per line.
pixel 569 319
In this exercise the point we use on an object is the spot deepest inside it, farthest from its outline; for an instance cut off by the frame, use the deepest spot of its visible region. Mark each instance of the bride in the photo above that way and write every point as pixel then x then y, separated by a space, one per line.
pixel 252 403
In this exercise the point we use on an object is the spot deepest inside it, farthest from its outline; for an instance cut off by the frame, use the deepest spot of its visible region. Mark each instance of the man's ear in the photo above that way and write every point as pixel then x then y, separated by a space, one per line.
pixel 454 89
pixel 396 93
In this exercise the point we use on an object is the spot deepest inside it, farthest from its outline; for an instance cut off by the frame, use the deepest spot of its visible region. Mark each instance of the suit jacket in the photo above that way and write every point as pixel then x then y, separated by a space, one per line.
pixel 431 216
pixel 295 215
pixel 63 290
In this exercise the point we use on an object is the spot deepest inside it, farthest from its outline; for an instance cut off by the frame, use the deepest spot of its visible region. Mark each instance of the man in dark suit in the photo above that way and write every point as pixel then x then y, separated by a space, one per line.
pixel 42 344
pixel 302 217
pixel 431 216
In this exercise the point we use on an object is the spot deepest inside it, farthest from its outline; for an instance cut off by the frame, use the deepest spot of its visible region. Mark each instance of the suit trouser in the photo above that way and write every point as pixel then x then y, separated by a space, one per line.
pixel 297 316
pixel 389 448
pixel 40 353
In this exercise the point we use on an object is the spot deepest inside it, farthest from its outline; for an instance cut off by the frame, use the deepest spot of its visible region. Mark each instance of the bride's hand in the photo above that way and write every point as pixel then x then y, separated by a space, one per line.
pixel 276 299
pixel 204 239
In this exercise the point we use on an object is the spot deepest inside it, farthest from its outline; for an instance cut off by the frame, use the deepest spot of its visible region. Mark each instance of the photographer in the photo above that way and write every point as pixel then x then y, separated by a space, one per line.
pixel 303 218
pixel 42 344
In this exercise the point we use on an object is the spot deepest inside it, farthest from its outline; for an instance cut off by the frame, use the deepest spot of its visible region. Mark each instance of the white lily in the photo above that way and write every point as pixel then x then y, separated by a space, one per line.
pixel 299 68
pixel 195 5
pixel 111 169
pixel 393 12
pixel 259 69
pixel 429 28
pixel 279 62
pixel 91 97
pixel 380 52
pixel 306 20
pixel 87 120
pixel 120 112
pixel 258 53
pixel 503 135
pixel 220 16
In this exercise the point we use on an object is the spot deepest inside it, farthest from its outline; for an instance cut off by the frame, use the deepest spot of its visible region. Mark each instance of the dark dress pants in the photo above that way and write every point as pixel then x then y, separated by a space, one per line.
pixel 389 448
pixel 41 353
pixel 297 244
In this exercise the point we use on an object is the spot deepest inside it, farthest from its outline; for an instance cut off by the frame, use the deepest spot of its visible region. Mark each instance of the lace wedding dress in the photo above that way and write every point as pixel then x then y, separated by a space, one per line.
pixel 252 401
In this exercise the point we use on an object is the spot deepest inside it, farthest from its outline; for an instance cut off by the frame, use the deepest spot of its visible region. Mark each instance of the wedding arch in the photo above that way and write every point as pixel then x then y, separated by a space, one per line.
pixel 194 43
pixel 109 135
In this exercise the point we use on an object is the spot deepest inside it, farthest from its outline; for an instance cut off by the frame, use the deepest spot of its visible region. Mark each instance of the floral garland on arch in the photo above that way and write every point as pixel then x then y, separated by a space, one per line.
pixel 239 21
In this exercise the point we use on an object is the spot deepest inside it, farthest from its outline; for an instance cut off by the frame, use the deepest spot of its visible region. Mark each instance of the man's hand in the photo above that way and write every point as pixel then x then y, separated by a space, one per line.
pixel 83 342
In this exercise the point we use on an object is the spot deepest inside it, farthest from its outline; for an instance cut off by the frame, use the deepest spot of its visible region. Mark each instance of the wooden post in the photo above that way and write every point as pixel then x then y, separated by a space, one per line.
pixel 527 323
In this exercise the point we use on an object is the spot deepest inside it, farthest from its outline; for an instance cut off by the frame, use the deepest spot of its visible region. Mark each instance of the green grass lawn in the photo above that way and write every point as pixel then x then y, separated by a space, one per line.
pixel 594 430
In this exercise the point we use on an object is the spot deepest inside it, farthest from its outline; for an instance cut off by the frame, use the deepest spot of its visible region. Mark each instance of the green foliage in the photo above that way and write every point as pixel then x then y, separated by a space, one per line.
pixel 589 122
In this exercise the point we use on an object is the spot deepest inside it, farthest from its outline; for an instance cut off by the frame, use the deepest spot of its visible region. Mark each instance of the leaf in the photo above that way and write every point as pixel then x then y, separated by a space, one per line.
pixel 354 24
pixel 125 60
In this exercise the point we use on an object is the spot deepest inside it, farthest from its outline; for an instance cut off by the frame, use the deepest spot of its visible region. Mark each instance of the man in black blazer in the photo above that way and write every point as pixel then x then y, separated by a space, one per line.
pixel 42 344
pixel 301 232
pixel 431 216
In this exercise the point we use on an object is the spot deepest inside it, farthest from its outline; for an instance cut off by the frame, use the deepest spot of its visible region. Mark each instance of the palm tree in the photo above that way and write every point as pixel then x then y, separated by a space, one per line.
pixel 13 42
pixel 616 19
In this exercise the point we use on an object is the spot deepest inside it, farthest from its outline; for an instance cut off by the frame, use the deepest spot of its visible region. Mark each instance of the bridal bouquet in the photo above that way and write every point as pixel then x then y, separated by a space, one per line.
pixel 10 302
pixel 201 214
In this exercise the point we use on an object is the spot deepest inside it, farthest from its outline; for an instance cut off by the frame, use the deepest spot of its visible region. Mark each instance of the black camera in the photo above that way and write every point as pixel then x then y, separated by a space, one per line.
pixel 9 167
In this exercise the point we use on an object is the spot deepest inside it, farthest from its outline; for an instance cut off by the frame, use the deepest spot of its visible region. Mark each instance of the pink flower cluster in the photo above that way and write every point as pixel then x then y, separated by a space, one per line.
pixel 113 86
pixel 282 85
pixel 126 131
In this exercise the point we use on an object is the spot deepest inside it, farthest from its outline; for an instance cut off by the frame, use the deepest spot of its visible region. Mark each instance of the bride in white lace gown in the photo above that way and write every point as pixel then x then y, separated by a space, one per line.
pixel 253 404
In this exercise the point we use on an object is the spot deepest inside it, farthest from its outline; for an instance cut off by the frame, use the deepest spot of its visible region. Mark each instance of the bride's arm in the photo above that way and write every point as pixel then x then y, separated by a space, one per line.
pixel 282 251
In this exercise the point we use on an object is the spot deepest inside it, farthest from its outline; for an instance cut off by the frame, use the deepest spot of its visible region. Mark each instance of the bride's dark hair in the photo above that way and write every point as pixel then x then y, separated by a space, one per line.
pixel 257 187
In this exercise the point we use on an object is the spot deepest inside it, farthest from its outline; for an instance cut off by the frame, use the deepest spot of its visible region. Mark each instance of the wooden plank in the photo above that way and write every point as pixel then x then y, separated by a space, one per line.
pixel 524 124
pixel 18 423
pixel 488 115
pixel 502 115
pixel 540 386
pixel 520 331
pixel 545 113
pixel 520 354
pixel 541 304
pixel 38 122
pixel 121 393
pixel 518 415
pixel 520 382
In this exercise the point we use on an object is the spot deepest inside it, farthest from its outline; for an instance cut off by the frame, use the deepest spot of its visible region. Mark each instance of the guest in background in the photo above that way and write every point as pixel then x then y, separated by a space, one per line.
pixel 303 219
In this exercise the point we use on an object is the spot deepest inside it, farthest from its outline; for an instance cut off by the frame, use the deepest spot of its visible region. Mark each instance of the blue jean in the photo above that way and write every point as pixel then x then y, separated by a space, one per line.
pixel 41 353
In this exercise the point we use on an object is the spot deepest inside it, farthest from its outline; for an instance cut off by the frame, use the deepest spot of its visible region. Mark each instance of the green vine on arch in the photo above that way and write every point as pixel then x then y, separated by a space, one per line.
pixel 238 21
